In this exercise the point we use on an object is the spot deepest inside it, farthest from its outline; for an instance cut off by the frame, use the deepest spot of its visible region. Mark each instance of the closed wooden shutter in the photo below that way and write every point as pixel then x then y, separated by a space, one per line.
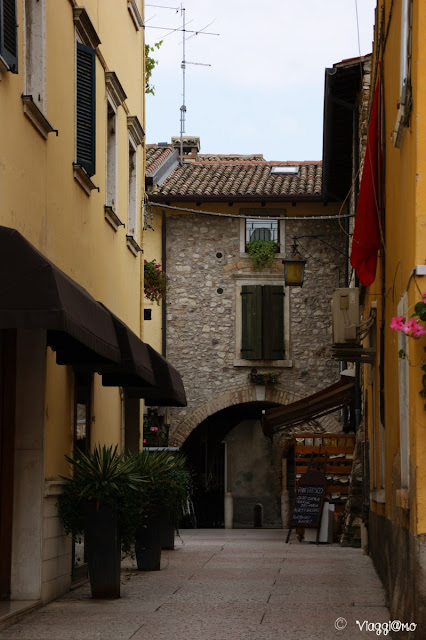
pixel 86 108
pixel 251 310
pixel 273 322
pixel 8 34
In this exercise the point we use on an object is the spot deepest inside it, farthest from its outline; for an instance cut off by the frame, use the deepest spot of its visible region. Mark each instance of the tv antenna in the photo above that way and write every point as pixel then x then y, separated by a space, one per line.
pixel 184 30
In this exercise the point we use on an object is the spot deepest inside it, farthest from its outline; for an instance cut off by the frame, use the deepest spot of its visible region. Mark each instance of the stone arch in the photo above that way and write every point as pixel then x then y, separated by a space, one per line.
pixel 234 396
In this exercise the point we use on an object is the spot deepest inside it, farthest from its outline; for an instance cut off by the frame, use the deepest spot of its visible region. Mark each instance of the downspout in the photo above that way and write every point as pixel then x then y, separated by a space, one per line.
pixel 164 265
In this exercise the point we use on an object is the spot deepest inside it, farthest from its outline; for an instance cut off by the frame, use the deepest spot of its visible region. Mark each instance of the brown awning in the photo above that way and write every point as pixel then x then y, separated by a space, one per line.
pixel 144 372
pixel 135 368
pixel 318 404
pixel 35 293
pixel 169 390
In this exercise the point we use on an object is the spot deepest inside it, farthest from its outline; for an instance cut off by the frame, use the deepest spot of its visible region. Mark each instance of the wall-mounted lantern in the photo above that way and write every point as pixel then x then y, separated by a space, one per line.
pixel 294 267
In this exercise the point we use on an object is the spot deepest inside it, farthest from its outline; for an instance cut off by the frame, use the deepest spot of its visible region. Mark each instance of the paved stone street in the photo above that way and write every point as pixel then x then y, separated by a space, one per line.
pixel 225 585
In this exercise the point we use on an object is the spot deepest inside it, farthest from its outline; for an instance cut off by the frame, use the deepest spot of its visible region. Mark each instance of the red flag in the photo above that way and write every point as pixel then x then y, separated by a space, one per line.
pixel 366 239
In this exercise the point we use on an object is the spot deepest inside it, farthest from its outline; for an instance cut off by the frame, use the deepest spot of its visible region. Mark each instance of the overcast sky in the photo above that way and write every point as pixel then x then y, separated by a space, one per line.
pixel 264 90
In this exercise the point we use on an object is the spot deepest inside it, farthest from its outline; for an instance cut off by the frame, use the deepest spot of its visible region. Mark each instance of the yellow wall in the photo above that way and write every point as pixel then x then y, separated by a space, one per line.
pixel 152 251
pixel 405 247
pixel 42 200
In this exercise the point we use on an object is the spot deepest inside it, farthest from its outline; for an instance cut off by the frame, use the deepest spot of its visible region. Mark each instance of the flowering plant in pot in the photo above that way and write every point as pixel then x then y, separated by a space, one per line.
pixel 102 499
pixel 414 328
pixel 165 488
pixel 155 281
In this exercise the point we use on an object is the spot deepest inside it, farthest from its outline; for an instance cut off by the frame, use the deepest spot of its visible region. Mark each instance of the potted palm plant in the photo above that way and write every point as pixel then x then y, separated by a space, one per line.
pixel 166 486
pixel 102 500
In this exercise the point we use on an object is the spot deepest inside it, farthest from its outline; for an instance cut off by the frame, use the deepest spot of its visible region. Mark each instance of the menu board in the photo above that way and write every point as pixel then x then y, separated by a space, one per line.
pixel 309 500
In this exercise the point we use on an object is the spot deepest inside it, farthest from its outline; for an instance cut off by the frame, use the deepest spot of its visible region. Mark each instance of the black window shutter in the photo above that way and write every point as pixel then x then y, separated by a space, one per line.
pixel 8 34
pixel 273 323
pixel 86 108
pixel 251 329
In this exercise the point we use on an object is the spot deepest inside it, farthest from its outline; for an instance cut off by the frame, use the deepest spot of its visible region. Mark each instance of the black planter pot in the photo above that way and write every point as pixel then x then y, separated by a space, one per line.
pixel 148 545
pixel 102 541
pixel 167 532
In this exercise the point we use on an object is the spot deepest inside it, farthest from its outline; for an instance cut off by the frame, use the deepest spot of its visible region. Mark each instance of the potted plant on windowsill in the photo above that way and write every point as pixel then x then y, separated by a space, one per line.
pixel 102 499
pixel 262 252
pixel 166 487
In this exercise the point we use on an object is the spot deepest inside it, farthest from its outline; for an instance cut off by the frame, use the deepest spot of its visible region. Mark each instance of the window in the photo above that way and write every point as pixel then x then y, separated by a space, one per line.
pixel 262 322
pixel 8 36
pixel 136 136
pixel 111 170
pixel 86 108
pixel 132 222
pixel 260 224
pixel 35 58
pixel 405 97
pixel 34 96
pixel 261 229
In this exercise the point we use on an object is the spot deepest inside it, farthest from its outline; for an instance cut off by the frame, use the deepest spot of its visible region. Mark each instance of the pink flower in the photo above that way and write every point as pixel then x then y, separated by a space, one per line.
pixel 418 331
pixel 409 326
pixel 144 440
pixel 424 296
pixel 397 323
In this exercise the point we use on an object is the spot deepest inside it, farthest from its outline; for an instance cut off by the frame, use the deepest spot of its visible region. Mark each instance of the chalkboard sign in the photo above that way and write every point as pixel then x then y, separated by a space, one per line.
pixel 309 500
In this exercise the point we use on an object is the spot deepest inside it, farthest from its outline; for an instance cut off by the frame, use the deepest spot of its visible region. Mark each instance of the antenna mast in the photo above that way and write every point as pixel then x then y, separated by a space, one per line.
pixel 183 107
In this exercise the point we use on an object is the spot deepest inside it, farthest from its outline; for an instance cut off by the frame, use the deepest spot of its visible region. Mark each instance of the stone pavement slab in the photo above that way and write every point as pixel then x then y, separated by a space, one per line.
pixel 225 585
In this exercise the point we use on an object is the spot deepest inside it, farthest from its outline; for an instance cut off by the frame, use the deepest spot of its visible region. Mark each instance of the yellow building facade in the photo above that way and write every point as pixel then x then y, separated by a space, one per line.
pixel 71 182
pixel 394 399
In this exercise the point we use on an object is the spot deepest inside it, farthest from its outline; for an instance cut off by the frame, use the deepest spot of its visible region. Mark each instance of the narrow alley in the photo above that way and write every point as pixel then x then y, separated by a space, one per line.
pixel 226 585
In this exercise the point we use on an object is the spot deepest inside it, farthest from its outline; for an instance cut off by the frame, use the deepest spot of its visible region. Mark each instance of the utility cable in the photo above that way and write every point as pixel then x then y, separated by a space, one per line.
pixel 243 217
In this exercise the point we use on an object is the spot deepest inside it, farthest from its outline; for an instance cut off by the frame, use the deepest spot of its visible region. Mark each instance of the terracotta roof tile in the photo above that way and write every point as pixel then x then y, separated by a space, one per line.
pixel 234 176
pixel 155 156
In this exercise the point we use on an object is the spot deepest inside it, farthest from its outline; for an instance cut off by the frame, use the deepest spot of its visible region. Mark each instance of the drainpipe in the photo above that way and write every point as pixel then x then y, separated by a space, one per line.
pixel 164 265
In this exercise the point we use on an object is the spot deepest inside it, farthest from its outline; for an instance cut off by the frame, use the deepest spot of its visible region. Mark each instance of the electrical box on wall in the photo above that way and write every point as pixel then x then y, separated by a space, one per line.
pixel 345 315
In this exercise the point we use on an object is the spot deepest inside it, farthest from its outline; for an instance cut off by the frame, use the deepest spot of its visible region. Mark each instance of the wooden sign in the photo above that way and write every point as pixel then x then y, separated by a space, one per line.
pixel 309 501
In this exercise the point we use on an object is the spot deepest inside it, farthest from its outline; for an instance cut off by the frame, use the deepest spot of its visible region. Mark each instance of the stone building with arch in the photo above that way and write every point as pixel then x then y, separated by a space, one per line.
pixel 242 341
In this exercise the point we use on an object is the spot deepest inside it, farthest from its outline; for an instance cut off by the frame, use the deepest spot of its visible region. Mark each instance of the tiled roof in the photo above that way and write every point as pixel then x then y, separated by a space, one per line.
pixel 208 157
pixel 155 156
pixel 225 178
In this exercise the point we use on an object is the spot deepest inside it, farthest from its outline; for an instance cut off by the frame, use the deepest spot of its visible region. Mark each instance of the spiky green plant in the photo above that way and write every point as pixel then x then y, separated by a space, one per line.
pixel 108 478
pixel 167 480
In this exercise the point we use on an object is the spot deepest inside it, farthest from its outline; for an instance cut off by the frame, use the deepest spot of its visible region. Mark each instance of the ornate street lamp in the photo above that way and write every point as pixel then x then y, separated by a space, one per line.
pixel 294 267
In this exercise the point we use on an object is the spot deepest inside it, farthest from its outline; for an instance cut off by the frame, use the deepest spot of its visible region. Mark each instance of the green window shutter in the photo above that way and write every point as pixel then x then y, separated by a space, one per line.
pixel 251 329
pixel 273 323
pixel 86 108
pixel 8 34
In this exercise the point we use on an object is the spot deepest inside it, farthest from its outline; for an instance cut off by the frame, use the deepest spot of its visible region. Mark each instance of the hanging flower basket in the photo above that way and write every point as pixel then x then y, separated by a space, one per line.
pixel 155 281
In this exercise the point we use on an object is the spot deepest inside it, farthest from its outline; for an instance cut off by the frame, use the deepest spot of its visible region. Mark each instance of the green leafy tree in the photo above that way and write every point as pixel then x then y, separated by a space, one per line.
pixel 150 64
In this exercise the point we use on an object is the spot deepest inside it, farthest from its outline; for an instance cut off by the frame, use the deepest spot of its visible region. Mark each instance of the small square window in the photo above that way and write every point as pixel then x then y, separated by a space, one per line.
pixel 147 314
pixel 261 230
